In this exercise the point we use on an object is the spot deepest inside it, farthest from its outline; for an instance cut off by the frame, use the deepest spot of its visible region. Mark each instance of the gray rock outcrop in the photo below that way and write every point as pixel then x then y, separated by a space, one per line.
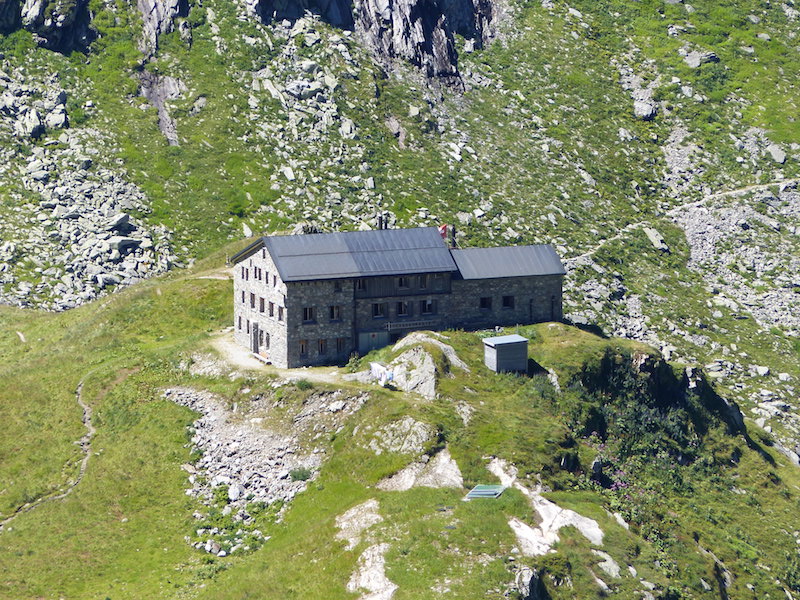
pixel 158 18
pixel 420 32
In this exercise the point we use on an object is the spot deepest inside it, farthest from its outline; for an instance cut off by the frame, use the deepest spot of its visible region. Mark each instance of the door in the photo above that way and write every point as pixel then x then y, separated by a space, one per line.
pixel 254 333
pixel 372 341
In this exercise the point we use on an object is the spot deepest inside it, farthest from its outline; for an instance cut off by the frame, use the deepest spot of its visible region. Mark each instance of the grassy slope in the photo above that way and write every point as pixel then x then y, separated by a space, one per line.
pixel 120 533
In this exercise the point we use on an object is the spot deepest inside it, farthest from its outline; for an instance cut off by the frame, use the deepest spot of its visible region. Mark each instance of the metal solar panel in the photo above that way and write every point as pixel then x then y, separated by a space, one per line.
pixel 508 261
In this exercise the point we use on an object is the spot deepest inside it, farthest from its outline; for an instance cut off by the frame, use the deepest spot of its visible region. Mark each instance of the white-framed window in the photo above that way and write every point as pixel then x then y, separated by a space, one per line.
pixel 335 313
pixel 309 314
pixel 261 305
pixel 271 309
pixel 379 310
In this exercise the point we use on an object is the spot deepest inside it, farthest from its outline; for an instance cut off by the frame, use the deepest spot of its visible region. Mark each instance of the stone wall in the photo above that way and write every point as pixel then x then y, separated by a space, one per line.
pixel 320 296
pixel 314 333
pixel 270 288
pixel 535 299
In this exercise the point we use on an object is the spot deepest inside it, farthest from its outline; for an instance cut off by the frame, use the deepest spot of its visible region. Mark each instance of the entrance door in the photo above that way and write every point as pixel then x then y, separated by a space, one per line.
pixel 254 333
pixel 372 341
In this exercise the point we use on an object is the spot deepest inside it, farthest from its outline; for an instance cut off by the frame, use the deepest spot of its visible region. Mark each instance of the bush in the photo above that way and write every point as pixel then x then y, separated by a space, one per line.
pixel 304 384
pixel 300 474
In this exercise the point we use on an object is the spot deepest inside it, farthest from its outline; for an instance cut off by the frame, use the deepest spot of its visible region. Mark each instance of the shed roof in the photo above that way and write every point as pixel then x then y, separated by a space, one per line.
pixel 508 261
pixel 504 339
pixel 357 253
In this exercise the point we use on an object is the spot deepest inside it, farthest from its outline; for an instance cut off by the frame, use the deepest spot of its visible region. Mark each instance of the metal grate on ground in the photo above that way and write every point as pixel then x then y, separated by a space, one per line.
pixel 485 491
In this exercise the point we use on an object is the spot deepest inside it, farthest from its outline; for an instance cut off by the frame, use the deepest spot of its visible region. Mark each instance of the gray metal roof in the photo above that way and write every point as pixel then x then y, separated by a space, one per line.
pixel 504 339
pixel 359 253
pixel 508 261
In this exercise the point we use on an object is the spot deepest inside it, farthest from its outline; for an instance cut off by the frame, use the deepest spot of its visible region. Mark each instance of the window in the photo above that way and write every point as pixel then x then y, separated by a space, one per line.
pixel 423 282
pixel 361 285
pixel 242 296
pixel 337 286
pixel 508 301
pixel 248 325
pixel 260 305
pixel 341 345
pixel 303 347
pixel 379 310
pixel 486 303
pixel 260 337
pixel 438 281
pixel 240 323
pixel 322 347
pixel 271 309
pixel 263 253
pixel 274 281
pixel 252 300
pixel 403 282
pixel 403 309
pixel 266 341
pixel 247 273
pixel 280 313
pixel 427 307
pixel 308 314
pixel 243 272
pixel 335 313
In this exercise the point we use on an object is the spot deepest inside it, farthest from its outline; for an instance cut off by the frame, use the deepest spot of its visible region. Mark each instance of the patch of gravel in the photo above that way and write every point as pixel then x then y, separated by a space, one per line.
pixel 253 462
pixel 749 253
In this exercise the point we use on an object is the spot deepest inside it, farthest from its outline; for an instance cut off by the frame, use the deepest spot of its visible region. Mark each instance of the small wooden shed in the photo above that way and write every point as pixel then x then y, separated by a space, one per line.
pixel 506 353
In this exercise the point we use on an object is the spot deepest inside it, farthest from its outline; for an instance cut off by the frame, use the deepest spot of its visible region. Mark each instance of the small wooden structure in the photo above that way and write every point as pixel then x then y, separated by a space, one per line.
pixel 506 353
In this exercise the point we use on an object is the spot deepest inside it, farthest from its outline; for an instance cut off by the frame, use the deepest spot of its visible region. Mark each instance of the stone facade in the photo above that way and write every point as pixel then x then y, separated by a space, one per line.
pixel 324 321
pixel 259 308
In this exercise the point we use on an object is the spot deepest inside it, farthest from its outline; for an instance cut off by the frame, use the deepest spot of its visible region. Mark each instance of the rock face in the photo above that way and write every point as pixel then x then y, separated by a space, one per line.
pixel 159 89
pixel 158 17
pixel 418 31
pixel 61 26
pixel 9 15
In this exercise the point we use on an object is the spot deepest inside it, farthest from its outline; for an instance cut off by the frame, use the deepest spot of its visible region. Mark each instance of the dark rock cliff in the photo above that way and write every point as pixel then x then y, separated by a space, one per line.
pixel 61 25
pixel 418 31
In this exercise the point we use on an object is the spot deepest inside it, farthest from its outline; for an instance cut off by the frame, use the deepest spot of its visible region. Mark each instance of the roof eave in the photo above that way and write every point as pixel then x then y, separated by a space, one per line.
pixel 247 251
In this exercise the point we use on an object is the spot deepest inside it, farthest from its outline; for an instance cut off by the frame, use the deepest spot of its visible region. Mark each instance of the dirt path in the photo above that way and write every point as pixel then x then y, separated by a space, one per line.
pixel 237 356
pixel 85 444
pixel 676 210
